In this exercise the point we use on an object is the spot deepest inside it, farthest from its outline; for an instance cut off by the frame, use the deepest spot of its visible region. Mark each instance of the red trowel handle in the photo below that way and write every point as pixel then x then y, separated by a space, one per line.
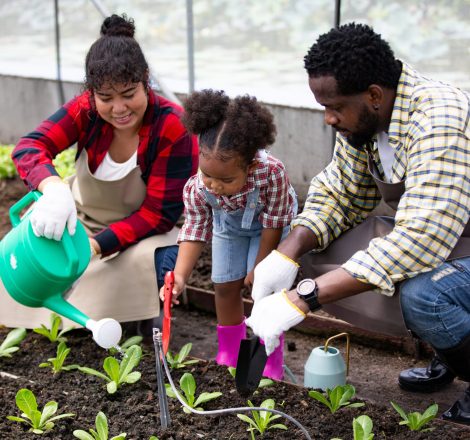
pixel 169 283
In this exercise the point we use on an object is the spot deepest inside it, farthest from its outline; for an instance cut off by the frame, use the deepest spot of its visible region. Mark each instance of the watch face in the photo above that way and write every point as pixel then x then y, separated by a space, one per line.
pixel 306 287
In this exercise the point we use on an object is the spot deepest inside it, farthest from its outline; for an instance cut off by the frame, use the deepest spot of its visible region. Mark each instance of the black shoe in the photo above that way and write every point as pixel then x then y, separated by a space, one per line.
pixel 460 410
pixel 426 380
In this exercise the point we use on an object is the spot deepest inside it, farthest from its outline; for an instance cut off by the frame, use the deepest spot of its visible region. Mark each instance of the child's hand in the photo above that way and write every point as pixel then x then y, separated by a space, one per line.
pixel 249 279
pixel 178 288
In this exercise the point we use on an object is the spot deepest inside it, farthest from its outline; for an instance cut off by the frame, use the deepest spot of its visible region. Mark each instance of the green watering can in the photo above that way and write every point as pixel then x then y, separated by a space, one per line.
pixel 36 271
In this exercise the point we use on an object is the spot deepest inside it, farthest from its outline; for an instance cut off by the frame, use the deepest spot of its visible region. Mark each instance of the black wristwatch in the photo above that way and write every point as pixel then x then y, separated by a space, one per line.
pixel 307 289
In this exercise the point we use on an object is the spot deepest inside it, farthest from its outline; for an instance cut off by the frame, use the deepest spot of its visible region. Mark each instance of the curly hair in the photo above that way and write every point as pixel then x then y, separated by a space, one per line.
pixel 356 57
pixel 115 57
pixel 229 127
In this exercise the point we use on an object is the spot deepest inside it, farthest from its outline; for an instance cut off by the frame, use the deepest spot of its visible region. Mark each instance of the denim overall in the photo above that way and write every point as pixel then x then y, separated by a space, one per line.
pixel 236 237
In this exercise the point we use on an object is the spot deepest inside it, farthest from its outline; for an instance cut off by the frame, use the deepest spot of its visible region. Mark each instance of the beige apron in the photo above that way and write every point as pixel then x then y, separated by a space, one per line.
pixel 369 310
pixel 122 286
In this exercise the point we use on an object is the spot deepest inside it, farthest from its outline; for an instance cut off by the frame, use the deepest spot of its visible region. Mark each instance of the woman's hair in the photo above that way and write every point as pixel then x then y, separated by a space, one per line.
pixel 229 127
pixel 115 57
pixel 356 57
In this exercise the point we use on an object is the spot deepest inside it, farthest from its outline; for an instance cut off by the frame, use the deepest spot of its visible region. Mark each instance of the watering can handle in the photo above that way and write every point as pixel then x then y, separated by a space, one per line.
pixel 16 209
pixel 69 248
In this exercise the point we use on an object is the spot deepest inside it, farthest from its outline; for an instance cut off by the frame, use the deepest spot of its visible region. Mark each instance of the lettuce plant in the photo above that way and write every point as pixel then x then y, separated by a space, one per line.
pixel 7 167
pixel 118 372
pixel 415 420
pixel 57 363
pixel 362 428
pixel 188 386
pixel 11 342
pixel 337 398
pixel 262 420
pixel 101 431
pixel 133 340
pixel 52 333
pixel 40 421
pixel 264 382
pixel 179 360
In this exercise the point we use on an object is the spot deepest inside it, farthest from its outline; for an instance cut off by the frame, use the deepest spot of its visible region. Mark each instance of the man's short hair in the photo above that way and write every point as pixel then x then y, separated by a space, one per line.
pixel 356 57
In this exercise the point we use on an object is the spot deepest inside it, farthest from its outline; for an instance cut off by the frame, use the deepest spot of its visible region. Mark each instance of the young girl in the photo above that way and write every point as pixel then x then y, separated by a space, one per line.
pixel 242 199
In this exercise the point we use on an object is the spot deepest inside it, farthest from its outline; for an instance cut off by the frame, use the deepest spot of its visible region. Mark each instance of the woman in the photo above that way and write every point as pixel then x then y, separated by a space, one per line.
pixel 134 157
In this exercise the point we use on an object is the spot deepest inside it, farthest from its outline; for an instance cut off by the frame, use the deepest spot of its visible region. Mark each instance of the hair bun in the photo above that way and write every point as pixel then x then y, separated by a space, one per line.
pixel 119 26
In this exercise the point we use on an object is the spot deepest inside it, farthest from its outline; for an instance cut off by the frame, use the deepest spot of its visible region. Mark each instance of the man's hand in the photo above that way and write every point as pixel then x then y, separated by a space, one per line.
pixel 55 209
pixel 272 316
pixel 274 273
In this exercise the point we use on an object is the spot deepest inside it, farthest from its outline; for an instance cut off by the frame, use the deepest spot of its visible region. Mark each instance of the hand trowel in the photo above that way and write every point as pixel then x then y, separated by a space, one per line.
pixel 250 365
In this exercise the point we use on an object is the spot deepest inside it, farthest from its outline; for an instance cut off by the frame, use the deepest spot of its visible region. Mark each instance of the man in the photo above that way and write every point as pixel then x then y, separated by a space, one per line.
pixel 400 133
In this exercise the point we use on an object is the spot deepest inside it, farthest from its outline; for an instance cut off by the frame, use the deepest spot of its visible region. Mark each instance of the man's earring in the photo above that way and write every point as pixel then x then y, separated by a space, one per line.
pixel 376 107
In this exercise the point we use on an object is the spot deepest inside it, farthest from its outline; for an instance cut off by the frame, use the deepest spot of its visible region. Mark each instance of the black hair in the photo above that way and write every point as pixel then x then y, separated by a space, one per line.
pixel 115 57
pixel 356 57
pixel 229 127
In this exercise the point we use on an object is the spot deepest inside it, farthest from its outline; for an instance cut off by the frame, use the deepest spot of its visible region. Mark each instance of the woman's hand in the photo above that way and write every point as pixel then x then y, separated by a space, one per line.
pixel 178 288
pixel 95 248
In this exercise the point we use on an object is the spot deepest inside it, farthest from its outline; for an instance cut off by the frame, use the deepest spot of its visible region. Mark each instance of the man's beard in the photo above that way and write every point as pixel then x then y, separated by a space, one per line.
pixel 367 127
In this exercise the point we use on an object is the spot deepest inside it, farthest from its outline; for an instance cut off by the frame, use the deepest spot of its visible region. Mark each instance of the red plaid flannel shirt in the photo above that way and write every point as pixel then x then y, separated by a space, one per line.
pixel 271 178
pixel 167 156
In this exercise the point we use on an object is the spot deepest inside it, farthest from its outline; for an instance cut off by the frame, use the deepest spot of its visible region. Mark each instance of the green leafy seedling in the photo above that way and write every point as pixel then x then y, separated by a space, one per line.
pixel 101 431
pixel 337 398
pixel 262 420
pixel 133 340
pixel 179 360
pixel 57 363
pixel 118 373
pixel 53 333
pixel 153 437
pixel 39 421
pixel 415 420
pixel 264 382
pixel 188 386
pixel 11 342
pixel 362 428
pixel 7 167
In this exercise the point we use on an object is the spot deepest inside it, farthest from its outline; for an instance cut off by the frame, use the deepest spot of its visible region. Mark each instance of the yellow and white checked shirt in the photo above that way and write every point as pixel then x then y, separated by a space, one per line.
pixel 429 132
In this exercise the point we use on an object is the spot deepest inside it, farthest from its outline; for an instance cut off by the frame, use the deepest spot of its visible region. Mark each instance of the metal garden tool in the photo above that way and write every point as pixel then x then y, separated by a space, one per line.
pixel 37 271
pixel 325 367
pixel 165 419
pixel 250 365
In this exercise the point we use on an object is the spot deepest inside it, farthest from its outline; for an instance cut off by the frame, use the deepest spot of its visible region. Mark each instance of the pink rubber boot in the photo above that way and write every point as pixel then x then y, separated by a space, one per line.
pixel 229 337
pixel 274 369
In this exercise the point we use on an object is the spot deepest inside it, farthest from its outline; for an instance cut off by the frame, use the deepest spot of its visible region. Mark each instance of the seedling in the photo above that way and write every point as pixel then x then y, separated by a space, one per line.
pixel 415 420
pixel 362 428
pixel 133 340
pixel 153 437
pixel 57 363
pixel 101 432
pixel 119 373
pixel 264 382
pixel 40 422
pixel 262 420
pixel 179 360
pixel 53 333
pixel 337 398
pixel 11 342
pixel 188 386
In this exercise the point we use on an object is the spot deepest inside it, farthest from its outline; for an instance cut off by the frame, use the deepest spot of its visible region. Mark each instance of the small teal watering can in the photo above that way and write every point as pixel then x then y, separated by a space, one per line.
pixel 325 367
pixel 37 271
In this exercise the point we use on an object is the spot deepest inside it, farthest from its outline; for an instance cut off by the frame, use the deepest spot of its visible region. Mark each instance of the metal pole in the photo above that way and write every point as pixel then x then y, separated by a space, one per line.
pixel 57 52
pixel 190 40
pixel 337 13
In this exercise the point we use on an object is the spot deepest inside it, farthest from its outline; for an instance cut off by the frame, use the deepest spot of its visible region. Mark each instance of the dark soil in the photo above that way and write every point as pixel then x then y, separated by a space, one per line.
pixel 134 408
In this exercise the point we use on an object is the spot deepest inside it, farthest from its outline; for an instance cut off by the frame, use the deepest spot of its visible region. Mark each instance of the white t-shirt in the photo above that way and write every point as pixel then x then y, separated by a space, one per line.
pixel 386 153
pixel 110 170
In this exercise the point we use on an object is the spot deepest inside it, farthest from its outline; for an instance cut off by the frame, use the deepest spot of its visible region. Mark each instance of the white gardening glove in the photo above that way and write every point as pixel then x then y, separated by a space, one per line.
pixel 272 316
pixel 53 210
pixel 274 273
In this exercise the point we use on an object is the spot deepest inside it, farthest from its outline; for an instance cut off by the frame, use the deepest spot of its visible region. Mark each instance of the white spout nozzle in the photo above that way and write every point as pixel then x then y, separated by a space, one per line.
pixel 107 332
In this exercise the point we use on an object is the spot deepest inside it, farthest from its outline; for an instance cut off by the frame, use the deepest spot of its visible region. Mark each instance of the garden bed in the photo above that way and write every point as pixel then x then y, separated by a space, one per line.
pixel 134 409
